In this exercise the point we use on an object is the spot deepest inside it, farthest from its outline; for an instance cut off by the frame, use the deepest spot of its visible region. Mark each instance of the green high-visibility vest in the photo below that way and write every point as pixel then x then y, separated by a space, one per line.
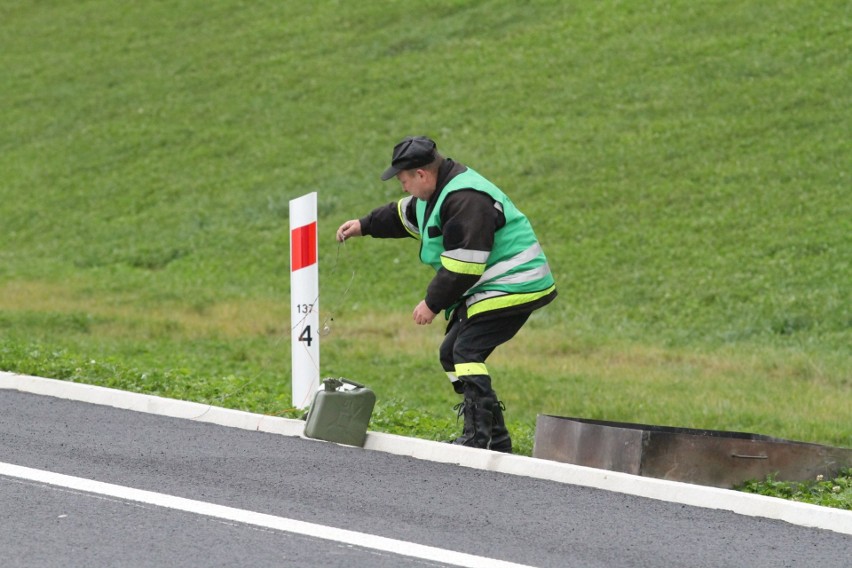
pixel 513 273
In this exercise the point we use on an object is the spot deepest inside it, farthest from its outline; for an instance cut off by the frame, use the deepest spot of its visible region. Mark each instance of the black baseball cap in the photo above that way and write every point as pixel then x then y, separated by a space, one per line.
pixel 413 152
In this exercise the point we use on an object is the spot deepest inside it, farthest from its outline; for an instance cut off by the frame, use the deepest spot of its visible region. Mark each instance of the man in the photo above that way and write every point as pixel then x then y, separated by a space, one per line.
pixel 490 271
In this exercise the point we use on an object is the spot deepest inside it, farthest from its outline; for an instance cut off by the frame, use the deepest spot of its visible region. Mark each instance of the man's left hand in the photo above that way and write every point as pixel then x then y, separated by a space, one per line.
pixel 422 314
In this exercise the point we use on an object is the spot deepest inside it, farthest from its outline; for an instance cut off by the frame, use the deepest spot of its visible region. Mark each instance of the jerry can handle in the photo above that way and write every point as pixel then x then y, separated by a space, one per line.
pixel 331 384
pixel 353 383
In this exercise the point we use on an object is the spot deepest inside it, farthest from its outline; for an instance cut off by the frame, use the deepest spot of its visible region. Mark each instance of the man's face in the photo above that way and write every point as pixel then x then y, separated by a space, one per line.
pixel 419 183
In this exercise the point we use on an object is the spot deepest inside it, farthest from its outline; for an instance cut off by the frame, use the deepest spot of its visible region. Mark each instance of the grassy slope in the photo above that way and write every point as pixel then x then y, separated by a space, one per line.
pixel 686 168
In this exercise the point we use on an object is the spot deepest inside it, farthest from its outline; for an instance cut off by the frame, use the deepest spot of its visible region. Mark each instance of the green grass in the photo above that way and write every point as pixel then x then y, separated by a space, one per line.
pixel 835 492
pixel 686 167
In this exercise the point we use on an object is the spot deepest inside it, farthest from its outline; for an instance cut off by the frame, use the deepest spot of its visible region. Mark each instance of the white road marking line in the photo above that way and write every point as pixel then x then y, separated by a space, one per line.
pixel 353 538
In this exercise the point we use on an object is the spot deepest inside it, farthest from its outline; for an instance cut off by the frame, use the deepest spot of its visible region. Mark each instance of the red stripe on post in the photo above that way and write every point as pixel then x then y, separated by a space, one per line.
pixel 303 246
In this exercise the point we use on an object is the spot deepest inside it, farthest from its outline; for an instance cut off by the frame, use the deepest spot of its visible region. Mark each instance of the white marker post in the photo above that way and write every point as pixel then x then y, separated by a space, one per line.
pixel 304 299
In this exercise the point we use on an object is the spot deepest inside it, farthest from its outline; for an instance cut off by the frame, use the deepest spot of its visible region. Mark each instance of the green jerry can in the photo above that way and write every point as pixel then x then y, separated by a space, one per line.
pixel 341 415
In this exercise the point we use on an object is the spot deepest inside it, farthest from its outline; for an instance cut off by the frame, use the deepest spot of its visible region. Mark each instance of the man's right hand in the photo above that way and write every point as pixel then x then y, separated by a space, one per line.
pixel 351 228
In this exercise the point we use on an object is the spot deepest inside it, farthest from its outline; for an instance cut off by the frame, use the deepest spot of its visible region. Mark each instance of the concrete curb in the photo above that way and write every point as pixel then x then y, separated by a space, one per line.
pixel 801 514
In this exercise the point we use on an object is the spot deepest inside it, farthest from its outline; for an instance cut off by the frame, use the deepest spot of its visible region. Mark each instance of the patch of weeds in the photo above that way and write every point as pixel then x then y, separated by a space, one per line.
pixel 394 417
pixel 836 492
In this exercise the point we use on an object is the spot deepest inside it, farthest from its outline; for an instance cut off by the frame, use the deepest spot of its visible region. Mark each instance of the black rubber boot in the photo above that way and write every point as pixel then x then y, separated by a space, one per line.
pixel 500 439
pixel 478 418
pixel 467 430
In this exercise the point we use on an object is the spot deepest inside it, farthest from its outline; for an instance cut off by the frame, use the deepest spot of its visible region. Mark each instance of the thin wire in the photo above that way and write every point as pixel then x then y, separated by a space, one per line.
pixel 326 328
pixel 324 331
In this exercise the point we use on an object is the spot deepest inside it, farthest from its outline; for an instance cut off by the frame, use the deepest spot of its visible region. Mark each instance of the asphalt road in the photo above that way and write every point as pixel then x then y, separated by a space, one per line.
pixel 511 518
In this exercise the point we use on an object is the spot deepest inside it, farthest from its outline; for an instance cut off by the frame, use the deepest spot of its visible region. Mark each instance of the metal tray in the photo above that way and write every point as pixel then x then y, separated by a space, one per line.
pixel 706 457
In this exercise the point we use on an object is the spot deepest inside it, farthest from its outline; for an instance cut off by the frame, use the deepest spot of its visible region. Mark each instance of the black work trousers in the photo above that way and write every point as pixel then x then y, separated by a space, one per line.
pixel 473 340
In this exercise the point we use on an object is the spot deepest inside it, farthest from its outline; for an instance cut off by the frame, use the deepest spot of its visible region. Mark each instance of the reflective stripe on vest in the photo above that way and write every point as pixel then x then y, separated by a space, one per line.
pixel 464 261
pixel 495 300
pixel 401 205
pixel 503 267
